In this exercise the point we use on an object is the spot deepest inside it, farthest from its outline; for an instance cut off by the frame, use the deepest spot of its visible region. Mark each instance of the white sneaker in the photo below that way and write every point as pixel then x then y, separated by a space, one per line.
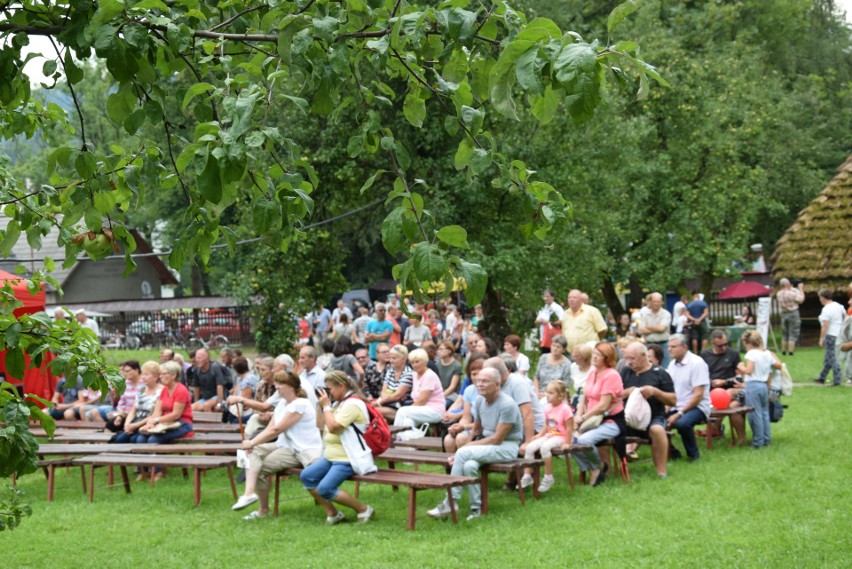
pixel 473 515
pixel 366 515
pixel 526 481
pixel 442 510
pixel 546 484
pixel 244 502
pixel 335 519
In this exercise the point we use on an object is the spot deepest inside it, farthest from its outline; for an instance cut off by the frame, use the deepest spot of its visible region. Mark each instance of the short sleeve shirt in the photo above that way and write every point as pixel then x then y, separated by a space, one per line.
pixel 655 377
pixel 502 410
pixel 721 366
pixel 180 394
pixel 378 327
pixel 601 383
pixel 555 419
pixel 429 381
pixel 582 327
pixel 345 414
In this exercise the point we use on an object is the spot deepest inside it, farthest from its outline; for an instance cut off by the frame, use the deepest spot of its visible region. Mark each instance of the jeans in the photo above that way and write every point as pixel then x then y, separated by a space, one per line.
pixel 184 429
pixel 591 459
pixel 685 428
pixel 326 477
pixel 468 461
pixel 830 361
pixel 757 396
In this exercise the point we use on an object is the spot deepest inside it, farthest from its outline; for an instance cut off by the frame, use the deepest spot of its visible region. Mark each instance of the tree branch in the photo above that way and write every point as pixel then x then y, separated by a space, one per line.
pixel 224 23
pixel 73 94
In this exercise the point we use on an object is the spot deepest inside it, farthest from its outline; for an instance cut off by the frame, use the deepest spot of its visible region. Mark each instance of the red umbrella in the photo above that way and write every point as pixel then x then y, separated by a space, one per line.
pixel 743 290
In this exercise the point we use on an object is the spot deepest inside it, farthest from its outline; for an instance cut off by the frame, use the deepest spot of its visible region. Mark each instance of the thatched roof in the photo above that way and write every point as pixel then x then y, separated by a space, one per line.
pixel 818 246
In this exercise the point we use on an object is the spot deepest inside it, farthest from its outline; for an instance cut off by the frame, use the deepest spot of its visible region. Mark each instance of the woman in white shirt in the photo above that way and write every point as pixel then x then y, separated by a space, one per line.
pixel 512 346
pixel 291 440
pixel 756 370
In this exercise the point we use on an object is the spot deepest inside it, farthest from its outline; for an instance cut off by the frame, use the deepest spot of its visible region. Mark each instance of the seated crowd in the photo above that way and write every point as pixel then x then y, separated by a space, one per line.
pixel 434 368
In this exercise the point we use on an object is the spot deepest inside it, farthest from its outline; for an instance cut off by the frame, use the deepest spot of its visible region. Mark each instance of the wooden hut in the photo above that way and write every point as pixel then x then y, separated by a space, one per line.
pixel 818 246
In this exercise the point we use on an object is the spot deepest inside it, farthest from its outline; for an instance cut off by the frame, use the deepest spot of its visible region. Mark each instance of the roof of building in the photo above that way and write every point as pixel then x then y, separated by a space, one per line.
pixel 816 248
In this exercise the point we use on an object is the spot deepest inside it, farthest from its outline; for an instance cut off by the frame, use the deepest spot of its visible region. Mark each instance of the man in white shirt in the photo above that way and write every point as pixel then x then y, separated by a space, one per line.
pixel 691 378
pixel 310 370
pixel 654 324
pixel 340 310
pixel 86 322
pixel 544 316
pixel 831 320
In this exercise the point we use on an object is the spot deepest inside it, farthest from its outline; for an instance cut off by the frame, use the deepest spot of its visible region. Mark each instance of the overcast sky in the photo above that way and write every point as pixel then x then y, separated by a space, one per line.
pixel 42 45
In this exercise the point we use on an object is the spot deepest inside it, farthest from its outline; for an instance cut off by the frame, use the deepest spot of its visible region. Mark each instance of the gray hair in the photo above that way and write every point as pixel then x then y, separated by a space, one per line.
pixel 680 339
pixel 498 364
pixel 784 282
pixel 510 362
pixel 285 361
pixel 492 374
pixel 379 305
pixel 418 355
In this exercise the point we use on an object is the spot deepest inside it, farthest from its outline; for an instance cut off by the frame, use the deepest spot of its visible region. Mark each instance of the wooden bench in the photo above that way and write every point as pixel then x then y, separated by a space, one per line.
pixel 197 463
pixel 416 457
pixel 423 443
pixel 717 416
pixel 66 437
pixel 415 481
pixel 68 453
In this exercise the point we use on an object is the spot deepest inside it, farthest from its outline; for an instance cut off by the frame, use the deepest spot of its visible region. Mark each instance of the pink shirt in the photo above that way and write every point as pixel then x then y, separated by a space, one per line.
pixel 555 419
pixel 425 382
pixel 605 382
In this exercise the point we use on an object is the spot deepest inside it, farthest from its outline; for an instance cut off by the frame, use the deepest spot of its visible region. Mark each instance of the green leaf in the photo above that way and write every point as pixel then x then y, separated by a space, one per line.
pixel 13 334
pixel 73 73
pixel 266 216
pixel 544 107
pixel 620 12
pixel 135 120
pixel 414 108
pixel 355 146
pixel 462 157
pixel 49 67
pixel 528 71
pixel 475 279
pixel 370 181
pixel 193 92
pixel 85 164
pixel 454 235
pixel 428 262
pixel 15 362
pixel 501 97
pixel 479 160
pixel 210 181
pixel 11 236
pixel 393 237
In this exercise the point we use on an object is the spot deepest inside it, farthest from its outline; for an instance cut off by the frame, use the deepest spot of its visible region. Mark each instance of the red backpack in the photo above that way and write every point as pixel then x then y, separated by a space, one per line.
pixel 377 435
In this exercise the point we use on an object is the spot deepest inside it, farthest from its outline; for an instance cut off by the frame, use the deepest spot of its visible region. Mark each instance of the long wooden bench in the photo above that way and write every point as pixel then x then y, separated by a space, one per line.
pixel 414 481
pixel 423 443
pixel 414 456
pixel 68 437
pixel 68 452
pixel 717 416
pixel 197 463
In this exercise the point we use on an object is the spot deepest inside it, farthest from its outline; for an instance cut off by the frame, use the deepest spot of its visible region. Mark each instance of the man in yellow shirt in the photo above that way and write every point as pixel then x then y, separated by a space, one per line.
pixel 582 322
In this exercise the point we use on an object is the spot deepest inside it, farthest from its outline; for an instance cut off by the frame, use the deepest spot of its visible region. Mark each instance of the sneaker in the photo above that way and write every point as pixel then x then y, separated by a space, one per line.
pixel 473 515
pixel 820 381
pixel 442 510
pixel 244 502
pixel 365 516
pixel 663 476
pixel 335 519
pixel 526 481
pixel 254 516
pixel 546 484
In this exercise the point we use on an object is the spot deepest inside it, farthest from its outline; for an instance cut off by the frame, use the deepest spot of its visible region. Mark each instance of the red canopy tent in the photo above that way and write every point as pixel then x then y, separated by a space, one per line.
pixel 744 290
pixel 36 380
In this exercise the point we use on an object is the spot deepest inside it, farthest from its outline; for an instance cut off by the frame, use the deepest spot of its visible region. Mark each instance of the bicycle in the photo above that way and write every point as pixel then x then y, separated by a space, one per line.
pixel 215 342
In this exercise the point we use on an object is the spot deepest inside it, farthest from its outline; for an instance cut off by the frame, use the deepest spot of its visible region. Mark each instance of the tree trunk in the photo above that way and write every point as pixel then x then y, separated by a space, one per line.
pixel 611 298
pixel 636 292
pixel 496 326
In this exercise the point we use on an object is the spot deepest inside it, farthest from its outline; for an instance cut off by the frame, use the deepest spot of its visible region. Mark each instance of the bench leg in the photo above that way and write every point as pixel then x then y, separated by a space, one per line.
pixel 110 476
pixel 357 489
pixel 453 508
pixel 412 507
pixel 483 486
pixel 277 490
pixel 536 479
pixel 125 479
pixel 51 478
pixel 570 472
pixel 196 485
pixel 521 493
pixel 92 484
pixel 83 478
pixel 233 482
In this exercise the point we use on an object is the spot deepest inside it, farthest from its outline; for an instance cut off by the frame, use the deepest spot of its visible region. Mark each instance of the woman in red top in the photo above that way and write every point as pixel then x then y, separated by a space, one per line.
pixel 601 396
pixel 173 406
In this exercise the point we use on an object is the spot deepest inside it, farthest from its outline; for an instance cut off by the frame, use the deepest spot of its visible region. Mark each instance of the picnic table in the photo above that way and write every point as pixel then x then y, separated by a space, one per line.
pixel 197 463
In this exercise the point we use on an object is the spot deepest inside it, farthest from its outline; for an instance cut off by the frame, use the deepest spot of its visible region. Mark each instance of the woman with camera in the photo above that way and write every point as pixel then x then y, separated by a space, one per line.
pixel 291 439
pixel 343 456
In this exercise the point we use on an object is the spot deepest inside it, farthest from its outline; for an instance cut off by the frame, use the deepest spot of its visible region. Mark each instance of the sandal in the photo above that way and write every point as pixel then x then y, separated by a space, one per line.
pixel 632 455
pixel 255 515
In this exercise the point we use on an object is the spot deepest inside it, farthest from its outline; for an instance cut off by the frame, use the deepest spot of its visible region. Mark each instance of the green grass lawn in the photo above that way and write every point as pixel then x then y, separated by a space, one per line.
pixel 784 506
